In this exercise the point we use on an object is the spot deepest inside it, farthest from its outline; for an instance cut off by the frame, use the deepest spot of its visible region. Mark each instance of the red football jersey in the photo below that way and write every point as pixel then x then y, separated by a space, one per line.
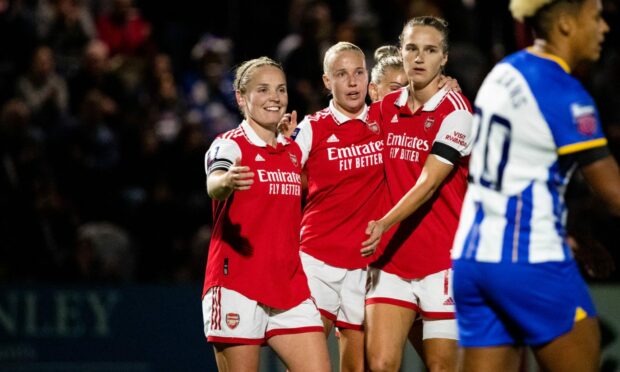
pixel 254 246
pixel 420 245
pixel 343 160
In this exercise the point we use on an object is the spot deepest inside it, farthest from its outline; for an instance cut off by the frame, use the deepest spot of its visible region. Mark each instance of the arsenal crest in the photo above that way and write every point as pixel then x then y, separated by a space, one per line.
pixel 293 159
pixel 232 320
pixel 429 123
pixel 374 127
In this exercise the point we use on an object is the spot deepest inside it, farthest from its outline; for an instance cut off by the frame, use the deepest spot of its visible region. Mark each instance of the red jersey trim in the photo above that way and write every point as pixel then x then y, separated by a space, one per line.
pixel 292 331
pixel 236 340
pixel 345 325
pixel 438 314
pixel 327 314
pixel 392 301
pixel 412 306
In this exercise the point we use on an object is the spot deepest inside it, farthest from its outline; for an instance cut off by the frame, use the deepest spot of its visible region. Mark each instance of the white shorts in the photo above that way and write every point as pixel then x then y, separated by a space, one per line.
pixel 339 293
pixel 230 317
pixel 431 297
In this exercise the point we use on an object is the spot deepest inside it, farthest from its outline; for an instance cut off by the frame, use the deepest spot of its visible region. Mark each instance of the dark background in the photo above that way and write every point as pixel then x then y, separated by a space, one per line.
pixel 106 111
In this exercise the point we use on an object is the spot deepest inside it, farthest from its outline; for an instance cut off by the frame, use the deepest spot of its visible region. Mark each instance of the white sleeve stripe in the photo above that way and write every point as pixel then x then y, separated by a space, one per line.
pixel 453 101
pixel 460 99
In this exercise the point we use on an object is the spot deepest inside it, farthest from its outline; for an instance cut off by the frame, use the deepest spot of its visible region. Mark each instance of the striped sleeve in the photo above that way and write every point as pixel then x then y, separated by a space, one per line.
pixel 221 155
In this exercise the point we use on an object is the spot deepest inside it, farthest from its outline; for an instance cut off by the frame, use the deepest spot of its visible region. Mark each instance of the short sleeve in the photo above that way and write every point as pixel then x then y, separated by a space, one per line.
pixel 573 119
pixel 303 136
pixel 221 155
pixel 454 138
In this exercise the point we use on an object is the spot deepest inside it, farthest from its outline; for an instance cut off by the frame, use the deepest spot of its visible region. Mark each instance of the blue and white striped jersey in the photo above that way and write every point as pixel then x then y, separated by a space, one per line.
pixel 529 114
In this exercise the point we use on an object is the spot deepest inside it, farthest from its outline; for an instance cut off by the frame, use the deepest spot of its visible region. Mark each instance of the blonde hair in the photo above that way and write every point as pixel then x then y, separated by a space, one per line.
pixel 386 57
pixel 386 51
pixel 521 9
pixel 540 15
pixel 245 71
pixel 341 46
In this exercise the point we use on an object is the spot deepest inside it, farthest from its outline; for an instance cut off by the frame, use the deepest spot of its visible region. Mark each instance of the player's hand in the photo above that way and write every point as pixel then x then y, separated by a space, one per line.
pixel 287 124
pixel 449 83
pixel 593 256
pixel 239 177
pixel 375 230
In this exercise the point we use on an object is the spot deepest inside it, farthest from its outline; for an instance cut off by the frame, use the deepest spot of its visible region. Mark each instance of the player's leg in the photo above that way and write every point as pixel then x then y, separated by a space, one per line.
pixel 440 345
pixel 390 311
pixel 351 344
pixel 435 297
pixel 296 335
pixel 488 345
pixel 236 326
pixel 491 359
pixel 323 281
pixel 350 321
pixel 387 327
pixel 302 352
pixel 577 350
pixel 232 358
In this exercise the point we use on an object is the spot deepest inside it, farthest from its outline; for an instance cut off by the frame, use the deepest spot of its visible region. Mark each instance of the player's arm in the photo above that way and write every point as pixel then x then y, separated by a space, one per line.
pixel 225 174
pixel 603 176
pixel 444 154
pixel 221 183
pixel 433 174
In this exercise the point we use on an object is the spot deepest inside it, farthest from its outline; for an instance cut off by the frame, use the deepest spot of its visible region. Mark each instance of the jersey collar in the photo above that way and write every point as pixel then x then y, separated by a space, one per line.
pixel 254 139
pixel 430 105
pixel 551 57
pixel 341 118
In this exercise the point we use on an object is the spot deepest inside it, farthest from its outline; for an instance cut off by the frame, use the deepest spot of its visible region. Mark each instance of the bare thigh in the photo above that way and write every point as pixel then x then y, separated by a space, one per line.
pixel 387 327
pixel 232 358
pixel 302 352
pixel 577 350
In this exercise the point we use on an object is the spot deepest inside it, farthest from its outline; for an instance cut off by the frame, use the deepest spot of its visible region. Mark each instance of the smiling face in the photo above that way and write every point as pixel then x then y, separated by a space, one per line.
pixel 265 97
pixel 422 49
pixel 347 78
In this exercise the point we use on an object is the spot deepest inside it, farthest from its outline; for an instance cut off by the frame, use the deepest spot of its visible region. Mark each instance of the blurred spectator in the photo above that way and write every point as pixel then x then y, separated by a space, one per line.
pixel 93 158
pixel 163 102
pixel 95 74
pixel 302 53
pixel 103 253
pixel 208 89
pixel 123 29
pixel 71 28
pixel 43 90
pixel 17 41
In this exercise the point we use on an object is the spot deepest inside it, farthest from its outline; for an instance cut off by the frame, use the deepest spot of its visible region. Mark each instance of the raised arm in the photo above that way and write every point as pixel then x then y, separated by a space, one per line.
pixel 221 183
pixel 603 176
pixel 433 174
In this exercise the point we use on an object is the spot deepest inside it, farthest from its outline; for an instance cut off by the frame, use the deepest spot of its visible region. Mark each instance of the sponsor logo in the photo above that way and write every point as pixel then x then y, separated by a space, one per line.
pixel 429 123
pixel 259 158
pixel 335 153
pixel 449 301
pixel 394 119
pixel 404 140
pixel 333 139
pixel 232 320
pixel 584 118
pixel 278 176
